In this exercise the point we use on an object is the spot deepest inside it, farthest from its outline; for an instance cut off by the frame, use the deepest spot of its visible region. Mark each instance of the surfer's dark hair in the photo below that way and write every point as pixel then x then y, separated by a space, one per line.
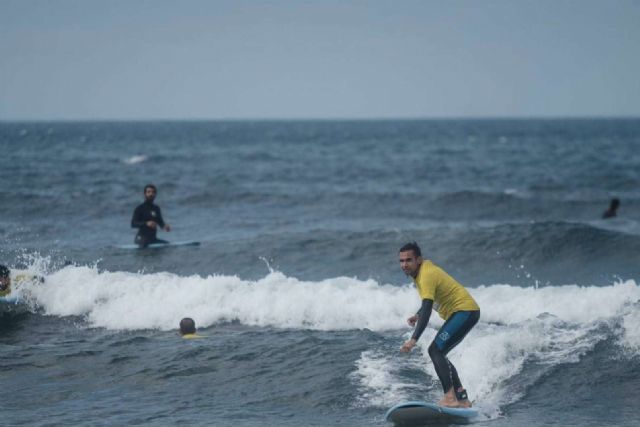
pixel 187 326
pixel 4 271
pixel 411 246
pixel 150 186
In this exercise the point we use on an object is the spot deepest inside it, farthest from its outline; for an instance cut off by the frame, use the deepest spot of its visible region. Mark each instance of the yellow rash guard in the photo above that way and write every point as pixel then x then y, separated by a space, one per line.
pixel 447 294
pixel 192 336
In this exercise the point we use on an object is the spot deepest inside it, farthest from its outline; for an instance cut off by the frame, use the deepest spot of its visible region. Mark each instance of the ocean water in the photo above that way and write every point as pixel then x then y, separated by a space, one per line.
pixel 296 285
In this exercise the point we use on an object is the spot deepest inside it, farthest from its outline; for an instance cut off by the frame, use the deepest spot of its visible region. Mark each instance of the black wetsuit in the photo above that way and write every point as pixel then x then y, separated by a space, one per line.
pixel 145 212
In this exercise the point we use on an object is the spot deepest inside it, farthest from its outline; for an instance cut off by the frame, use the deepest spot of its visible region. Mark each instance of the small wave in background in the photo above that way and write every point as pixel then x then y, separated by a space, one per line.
pixel 134 160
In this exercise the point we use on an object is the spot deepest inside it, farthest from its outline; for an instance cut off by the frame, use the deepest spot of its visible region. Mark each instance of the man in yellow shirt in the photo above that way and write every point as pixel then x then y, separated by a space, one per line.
pixel 441 292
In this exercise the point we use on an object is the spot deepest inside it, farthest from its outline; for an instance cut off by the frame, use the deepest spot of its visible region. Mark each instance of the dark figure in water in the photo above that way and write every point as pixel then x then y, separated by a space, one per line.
pixel 147 218
pixel 613 208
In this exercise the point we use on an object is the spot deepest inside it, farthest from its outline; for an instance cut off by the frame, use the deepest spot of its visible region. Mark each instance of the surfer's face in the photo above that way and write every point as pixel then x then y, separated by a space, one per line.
pixel 409 263
pixel 149 194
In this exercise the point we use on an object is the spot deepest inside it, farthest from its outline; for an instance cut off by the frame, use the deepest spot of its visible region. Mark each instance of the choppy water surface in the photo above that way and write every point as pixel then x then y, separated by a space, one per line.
pixel 296 285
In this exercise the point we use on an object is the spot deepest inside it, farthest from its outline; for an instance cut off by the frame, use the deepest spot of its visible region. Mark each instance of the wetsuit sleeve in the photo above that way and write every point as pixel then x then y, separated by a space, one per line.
pixel 136 220
pixel 423 318
pixel 160 220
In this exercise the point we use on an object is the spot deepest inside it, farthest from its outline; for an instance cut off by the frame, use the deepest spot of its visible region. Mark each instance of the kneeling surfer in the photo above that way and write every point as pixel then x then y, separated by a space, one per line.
pixel 454 304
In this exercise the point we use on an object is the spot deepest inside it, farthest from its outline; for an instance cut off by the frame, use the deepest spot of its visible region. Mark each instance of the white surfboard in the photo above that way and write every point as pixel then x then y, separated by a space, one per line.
pixel 418 413
pixel 161 245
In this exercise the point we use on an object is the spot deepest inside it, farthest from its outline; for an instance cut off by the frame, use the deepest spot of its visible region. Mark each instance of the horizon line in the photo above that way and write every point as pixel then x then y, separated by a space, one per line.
pixel 320 119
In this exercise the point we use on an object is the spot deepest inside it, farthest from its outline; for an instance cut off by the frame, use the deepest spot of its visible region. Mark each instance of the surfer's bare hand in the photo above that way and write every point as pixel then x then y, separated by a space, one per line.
pixel 411 321
pixel 151 224
pixel 167 227
pixel 407 346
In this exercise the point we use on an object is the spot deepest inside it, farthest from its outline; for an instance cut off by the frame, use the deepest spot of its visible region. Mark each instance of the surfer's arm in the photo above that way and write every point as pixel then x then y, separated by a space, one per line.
pixel 423 318
pixel 136 221
pixel 163 225
pixel 159 219
pixel 414 319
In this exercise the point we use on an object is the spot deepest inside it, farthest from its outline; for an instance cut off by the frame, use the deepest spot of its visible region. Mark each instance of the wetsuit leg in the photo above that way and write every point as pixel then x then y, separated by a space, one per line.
pixel 140 241
pixel 455 379
pixel 449 336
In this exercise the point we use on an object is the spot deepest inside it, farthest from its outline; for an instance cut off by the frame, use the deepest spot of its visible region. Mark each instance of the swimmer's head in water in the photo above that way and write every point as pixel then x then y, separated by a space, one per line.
pixel 187 326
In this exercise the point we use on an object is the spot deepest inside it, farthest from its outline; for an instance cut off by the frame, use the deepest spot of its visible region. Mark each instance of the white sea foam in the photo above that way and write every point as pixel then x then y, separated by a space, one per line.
pixel 630 337
pixel 119 300
pixel 133 160
pixel 379 379
pixel 490 361
pixel 534 329
pixel 122 300
pixel 519 327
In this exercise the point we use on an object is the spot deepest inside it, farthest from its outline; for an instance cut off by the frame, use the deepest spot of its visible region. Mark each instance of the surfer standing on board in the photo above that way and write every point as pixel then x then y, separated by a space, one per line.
pixel 147 218
pixel 441 292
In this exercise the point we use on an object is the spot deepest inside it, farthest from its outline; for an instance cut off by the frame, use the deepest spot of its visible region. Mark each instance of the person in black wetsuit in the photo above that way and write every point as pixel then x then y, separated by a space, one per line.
pixel 147 217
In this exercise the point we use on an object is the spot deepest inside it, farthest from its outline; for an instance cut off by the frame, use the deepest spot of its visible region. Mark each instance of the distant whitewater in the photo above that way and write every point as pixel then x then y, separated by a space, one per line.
pixel 134 160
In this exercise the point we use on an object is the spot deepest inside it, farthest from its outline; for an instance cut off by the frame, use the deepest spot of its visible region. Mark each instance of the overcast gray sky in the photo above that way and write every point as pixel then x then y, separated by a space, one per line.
pixel 133 59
